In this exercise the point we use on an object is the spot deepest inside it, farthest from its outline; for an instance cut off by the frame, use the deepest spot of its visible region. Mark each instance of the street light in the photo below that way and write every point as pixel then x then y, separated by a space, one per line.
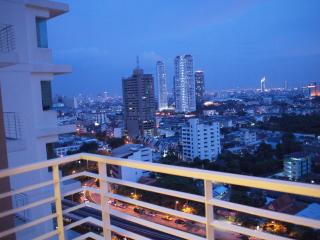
pixel 134 196
pixel 176 205
pixel 188 209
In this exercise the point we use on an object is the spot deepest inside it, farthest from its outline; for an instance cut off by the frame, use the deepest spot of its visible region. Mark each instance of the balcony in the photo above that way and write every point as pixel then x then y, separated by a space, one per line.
pixel 110 219
pixel 7 46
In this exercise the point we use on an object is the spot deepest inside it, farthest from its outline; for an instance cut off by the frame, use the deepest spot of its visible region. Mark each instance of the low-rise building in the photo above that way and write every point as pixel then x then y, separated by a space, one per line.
pixel 297 165
pixel 134 152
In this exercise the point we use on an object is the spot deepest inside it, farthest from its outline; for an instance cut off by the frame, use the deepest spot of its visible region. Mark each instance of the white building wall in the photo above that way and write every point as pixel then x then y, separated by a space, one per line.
pixel 21 92
pixel 132 174
pixel 118 132
pixel 200 140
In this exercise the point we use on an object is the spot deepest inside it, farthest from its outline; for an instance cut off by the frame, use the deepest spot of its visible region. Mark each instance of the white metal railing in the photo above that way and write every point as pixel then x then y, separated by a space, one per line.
pixel 209 178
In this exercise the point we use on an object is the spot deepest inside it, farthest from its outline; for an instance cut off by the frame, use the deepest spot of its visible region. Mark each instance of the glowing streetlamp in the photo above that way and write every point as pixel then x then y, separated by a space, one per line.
pixel 176 205
pixel 188 209
pixel 134 196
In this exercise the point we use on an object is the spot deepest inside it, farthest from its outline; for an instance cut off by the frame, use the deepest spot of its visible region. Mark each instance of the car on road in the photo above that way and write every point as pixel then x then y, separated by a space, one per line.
pixel 167 218
pixel 139 210
pixel 150 214
pixel 179 221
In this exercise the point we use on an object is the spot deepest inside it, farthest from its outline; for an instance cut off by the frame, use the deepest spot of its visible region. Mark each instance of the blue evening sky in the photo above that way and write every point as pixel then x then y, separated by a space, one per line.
pixel 235 42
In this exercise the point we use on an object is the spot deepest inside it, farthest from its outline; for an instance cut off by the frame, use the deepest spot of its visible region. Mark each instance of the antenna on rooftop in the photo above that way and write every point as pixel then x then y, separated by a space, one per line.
pixel 138 62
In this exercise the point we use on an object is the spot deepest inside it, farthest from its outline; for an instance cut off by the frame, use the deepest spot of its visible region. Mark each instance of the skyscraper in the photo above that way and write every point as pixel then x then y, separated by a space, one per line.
pixel 263 84
pixel 199 81
pixel 314 90
pixel 184 85
pixel 285 85
pixel 139 104
pixel 162 85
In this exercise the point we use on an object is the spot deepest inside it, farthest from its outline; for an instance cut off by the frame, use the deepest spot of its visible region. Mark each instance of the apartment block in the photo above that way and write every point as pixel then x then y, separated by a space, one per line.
pixel 200 140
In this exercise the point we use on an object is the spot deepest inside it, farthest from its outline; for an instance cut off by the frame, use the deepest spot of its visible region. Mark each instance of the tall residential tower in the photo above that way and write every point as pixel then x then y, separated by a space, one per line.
pixel 162 85
pixel 199 81
pixel 184 85
pixel 139 104
pixel 263 84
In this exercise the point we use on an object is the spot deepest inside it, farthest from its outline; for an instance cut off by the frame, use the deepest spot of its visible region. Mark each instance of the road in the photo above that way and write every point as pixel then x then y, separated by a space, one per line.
pixel 193 228
pixel 119 222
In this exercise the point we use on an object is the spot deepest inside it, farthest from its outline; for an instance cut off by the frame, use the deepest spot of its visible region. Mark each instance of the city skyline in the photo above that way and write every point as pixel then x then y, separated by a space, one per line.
pixel 240 164
pixel 234 43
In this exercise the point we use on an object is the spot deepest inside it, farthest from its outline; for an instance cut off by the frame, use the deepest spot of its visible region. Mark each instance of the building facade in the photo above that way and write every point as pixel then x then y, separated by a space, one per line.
pixel 199 82
pixel 200 140
pixel 139 104
pixel 134 152
pixel 30 124
pixel 263 84
pixel 314 90
pixel 184 85
pixel 162 86
pixel 297 166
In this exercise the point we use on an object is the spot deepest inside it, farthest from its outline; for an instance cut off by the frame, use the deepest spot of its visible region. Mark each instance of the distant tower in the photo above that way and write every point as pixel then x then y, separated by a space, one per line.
pixel 263 84
pixel 162 86
pixel 105 96
pixel 285 85
pixel 139 103
pixel 314 90
pixel 199 81
pixel 75 103
pixel 184 85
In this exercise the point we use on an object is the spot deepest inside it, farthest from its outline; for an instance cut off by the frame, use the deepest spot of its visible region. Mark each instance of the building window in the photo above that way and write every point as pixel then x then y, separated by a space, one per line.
pixel 42 37
pixel 50 153
pixel 46 95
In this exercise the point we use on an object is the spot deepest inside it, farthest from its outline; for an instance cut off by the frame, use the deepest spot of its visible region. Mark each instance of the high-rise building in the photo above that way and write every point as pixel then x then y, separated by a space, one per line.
pixel 263 84
pixel 184 85
pixel 139 104
pixel 199 81
pixel 162 86
pixel 30 123
pixel 285 85
pixel 200 140
pixel 314 90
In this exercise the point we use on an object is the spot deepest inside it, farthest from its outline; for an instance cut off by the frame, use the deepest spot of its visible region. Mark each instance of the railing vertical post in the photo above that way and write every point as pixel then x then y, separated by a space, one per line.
pixel 57 195
pixel 104 201
pixel 208 194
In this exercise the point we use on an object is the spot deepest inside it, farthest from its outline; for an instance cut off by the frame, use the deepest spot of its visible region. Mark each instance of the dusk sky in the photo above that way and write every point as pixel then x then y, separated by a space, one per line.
pixel 235 42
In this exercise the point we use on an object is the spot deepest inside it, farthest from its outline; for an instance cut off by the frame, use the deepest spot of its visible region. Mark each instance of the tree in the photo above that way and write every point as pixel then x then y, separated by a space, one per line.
pixel 182 184
pixel 115 142
pixel 264 151
pixel 288 145
pixel 170 158
pixel 242 195
pixel 90 147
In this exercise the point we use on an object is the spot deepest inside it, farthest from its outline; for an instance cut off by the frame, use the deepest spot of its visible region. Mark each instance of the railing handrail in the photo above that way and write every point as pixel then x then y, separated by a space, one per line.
pixel 209 178
pixel 298 188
